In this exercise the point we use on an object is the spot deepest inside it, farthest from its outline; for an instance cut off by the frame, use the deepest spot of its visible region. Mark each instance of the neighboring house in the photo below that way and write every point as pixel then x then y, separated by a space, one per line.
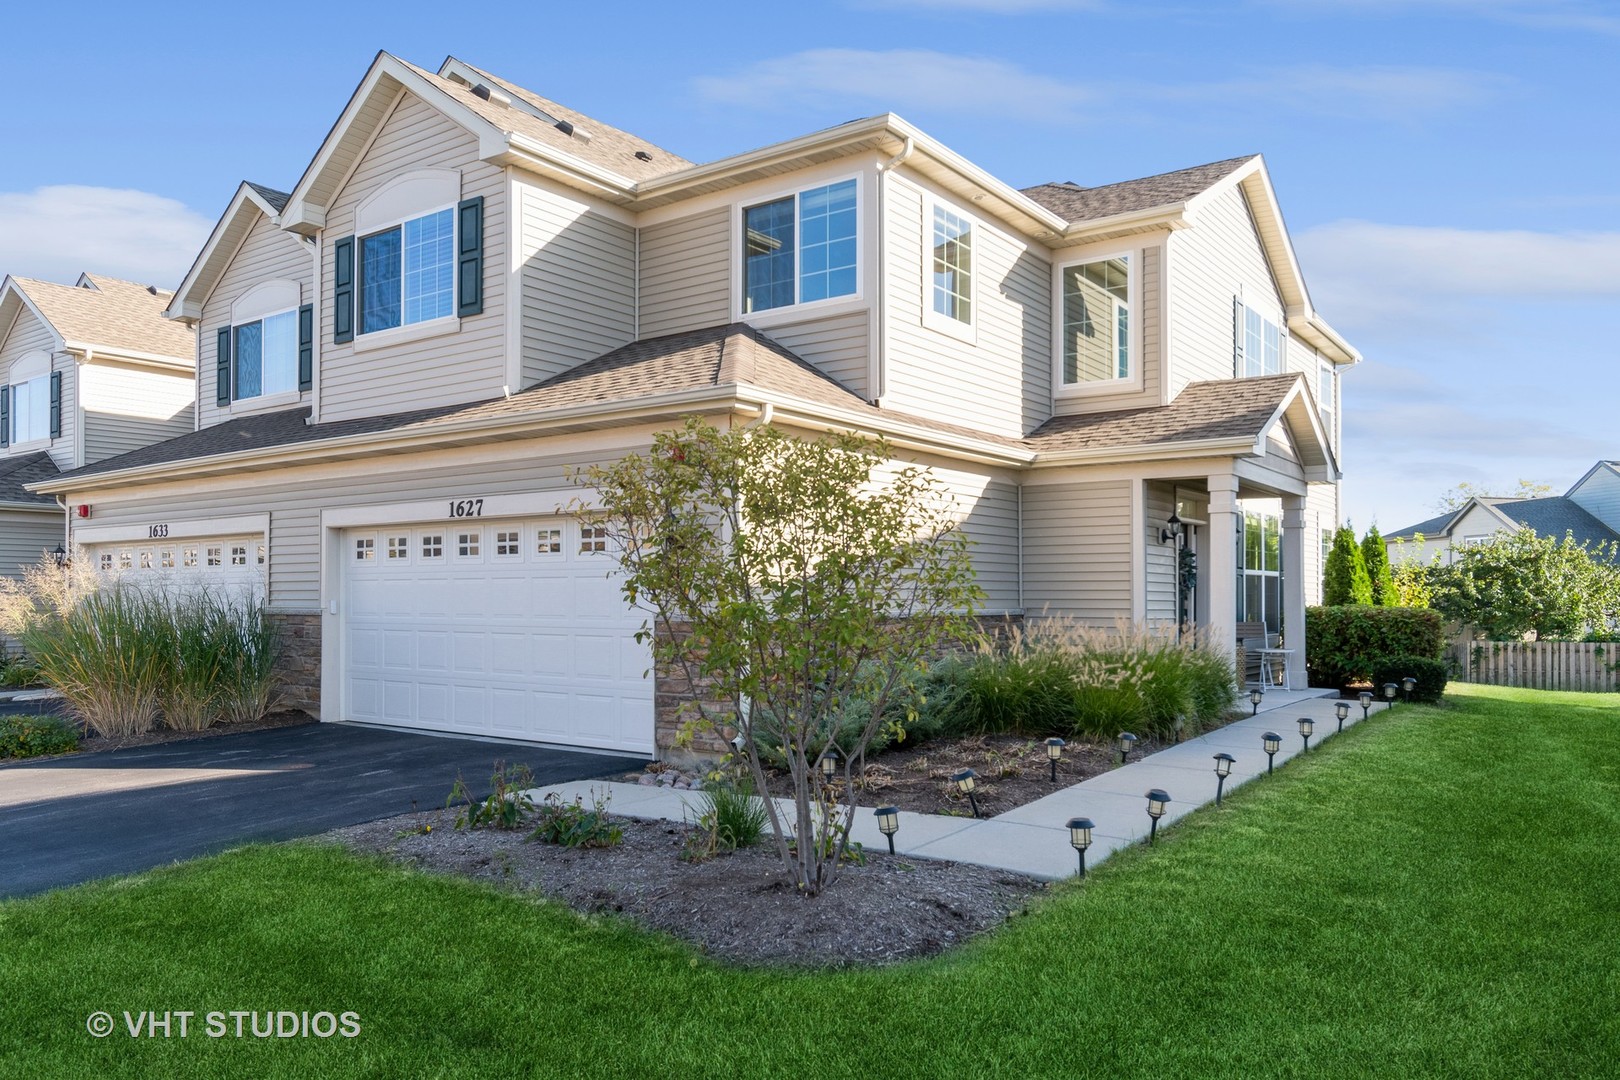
pixel 87 372
pixel 473 291
pixel 1589 511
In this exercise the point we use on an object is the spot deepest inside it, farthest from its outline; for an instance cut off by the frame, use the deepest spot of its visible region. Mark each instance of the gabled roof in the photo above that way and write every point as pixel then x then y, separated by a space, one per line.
pixel 27 469
pixel 1555 516
pixel 1075 203
pixel 250 202
pixel 103 315
pixel 1430 529
pixel 1604 466
pixel 1221 414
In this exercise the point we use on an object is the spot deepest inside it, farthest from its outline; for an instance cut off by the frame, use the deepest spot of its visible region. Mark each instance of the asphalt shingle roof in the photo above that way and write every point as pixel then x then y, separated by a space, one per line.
pixel 1076 203
pixel 1224 409
pixel 1431 528
pixel 26 469
pixel 277 199
pixel 608 146
pixel 115 315
pixel 1555 516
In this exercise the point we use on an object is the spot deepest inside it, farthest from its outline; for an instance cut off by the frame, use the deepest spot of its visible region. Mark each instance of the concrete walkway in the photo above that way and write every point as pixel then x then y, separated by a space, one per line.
pixel 1034 838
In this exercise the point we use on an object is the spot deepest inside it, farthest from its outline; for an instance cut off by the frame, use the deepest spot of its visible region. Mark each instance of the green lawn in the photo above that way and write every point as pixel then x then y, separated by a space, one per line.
pixel 1436 893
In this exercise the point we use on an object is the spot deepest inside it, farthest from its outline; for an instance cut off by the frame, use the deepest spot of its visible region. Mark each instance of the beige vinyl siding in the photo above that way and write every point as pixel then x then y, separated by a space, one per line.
pixel 685 272
pixel 578 283
pixel 1600 497
pixel 126 408
pixel 1214 263
pixel 29 335
pixel 469 365
pixel 840 345
pixel 1077 550
pixel 1159 557
pixel 267 254
pixel 1001 380
pixel 25 536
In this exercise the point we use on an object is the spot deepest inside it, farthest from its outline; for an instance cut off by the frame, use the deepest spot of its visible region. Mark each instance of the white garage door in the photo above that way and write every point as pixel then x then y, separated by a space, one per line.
pixel 229 567
pixel 508 628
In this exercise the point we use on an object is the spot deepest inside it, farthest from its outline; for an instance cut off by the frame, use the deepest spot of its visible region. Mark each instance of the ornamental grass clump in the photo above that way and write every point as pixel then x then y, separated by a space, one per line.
pixel 111 658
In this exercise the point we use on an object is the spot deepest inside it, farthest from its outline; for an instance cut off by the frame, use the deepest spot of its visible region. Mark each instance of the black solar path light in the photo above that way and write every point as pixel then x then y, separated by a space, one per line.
pixel 1365 697
pixel 1342 711
pixel 1306 726
pixel 1126 743
pixel 1409 684
pixel 1389 695
pixel 1272 742
pixel 1158 801
pixel 1255 697
pixel 1054 751
pixel 1080 838
pixel 965 782
pixel 888 818
pixel 1223 769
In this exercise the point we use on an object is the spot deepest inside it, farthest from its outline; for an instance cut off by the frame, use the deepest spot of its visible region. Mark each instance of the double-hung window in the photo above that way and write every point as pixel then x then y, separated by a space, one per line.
pixel 800 248
pixel 408 272
pixel 1260 571
pixel 1096 299
pixel 1259 343
pixel 266 355
pixel 30 401
pixel 1326 395
pixel 950 258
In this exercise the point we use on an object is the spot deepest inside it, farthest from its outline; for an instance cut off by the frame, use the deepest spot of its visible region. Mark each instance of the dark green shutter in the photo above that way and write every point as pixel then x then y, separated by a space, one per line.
pixel 470 256
pixel 222 369
pixel 5 416
pixel 56 404
pixel 306 347
pixel 343 290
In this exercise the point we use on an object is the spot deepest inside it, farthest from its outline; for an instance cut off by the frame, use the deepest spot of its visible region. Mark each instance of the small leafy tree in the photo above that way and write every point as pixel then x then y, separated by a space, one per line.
pixel 789 579
pixel 1519 583
pixel 1412 579
pixel 1379 578
pixel 1344 578
pixel 1456 498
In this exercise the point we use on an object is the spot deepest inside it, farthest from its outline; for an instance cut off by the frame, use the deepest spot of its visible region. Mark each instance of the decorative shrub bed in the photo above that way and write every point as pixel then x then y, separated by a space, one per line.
pixel 1356 643
pixel 33 736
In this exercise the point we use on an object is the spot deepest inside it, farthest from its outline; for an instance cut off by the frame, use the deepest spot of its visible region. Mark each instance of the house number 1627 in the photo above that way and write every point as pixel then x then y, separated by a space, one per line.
pixel 466 508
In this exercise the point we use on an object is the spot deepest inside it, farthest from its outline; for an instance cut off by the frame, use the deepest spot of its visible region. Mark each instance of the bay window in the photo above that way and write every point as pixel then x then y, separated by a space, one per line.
pixel 800 248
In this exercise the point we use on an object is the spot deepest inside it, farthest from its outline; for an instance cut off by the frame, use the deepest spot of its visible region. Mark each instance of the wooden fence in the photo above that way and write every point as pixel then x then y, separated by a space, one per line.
pixel 1539 665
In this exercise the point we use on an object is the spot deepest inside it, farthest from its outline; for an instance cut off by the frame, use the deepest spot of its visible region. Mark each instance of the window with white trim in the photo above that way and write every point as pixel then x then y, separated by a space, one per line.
pixel 1096 327
pixel 238 554
pixel 432 545
pixel 548 542
pixel 801 248
pixel 265 356
pixel 592 538
pixel 216 555
pixel 468 544
pixel 508 542
pixel 188 558
pixel 106 562
pixel 365 549
pixel 126 560
pixel 1260 571
pixel 399 547
pixel 146 558
pixel 407 273
pixel 951 266
pixel 30 399
pixel 1259 343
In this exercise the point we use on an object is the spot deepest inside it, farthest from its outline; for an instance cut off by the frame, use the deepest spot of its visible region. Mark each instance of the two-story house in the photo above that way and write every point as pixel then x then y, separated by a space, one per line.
pixel 87 372
pixel 473 291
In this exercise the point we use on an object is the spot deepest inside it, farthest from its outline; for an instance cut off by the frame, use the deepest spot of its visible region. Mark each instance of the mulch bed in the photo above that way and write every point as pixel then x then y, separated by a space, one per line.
pixel 736 907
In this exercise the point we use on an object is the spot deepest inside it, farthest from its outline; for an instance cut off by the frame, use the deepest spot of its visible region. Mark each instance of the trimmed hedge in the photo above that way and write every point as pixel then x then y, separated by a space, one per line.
pixel 1431 676
pixel 1346 644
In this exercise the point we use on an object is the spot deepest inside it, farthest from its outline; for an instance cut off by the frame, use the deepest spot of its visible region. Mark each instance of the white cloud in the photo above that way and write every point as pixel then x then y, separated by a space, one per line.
pixel 1366 275
pixel 1583 15
pixel 905 79
pixel 896 79
pixel 58 232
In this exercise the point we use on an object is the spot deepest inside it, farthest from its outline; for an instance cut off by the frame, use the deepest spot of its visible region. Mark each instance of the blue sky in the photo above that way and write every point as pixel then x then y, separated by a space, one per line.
pixel 1447 167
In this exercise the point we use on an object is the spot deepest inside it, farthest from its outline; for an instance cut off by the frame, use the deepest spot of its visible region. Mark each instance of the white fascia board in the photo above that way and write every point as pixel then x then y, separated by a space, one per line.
pixel 1193 448
pixel 900 433
pixel 193 291
pixel 12 507
pixel 1315 330
pixel 1171 216
pixel 11 287
pixel 502 148
pixel 86 350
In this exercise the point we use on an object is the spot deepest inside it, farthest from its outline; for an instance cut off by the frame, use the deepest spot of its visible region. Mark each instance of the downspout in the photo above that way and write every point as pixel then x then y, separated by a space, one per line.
pixel 67 524
pixel 315 340
pixel 879 375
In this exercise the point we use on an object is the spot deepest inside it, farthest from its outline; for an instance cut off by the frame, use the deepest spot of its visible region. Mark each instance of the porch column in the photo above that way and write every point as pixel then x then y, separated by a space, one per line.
pixel 1220 564
pixel 1293 587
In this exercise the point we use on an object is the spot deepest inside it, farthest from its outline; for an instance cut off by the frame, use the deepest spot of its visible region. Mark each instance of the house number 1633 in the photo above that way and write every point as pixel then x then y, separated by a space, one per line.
pixel 466 508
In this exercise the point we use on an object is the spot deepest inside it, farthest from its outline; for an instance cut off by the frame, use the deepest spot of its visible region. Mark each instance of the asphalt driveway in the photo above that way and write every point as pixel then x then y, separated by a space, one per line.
pixel 87 816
